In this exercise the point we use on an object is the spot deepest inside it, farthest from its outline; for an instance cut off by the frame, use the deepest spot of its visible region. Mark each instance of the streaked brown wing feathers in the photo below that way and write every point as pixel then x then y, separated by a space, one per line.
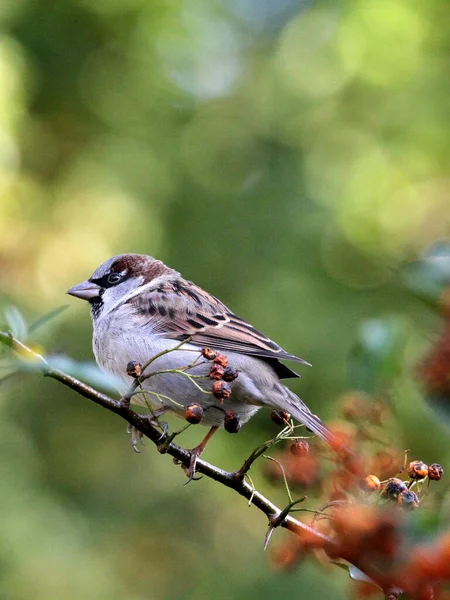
pixel 179 309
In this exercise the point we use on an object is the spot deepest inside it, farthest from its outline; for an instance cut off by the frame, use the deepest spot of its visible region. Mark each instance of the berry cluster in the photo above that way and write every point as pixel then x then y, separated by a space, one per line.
pixel 400 491
pixel 222 375
pixel 365 504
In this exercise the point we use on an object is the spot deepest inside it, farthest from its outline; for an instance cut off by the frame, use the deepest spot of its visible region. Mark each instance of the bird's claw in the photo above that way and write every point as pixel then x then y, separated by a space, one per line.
pixel 136 437
pixel 165 430
pixel 190 471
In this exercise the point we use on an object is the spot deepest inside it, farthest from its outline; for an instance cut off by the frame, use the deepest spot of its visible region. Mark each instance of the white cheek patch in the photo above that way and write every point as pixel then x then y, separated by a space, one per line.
pixel 119 294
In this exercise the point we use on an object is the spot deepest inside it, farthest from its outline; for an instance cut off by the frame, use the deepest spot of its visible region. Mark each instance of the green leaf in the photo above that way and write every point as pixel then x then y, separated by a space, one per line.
pixel 16 322
pixel 47 317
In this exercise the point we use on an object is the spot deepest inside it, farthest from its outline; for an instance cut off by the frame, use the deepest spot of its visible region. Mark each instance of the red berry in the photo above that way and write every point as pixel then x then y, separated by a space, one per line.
pixel 221 390
pixel 193 414
pixel 435 472
pixel 221 360
pixel 216 371
pixel 280 417
pixel 299 448
pixel 232 422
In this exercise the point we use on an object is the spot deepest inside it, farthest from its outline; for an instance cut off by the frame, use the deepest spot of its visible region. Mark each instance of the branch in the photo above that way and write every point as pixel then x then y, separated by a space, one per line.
pixel 234 480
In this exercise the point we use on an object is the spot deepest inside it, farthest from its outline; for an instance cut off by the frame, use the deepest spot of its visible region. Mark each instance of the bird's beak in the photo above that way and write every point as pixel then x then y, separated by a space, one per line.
pixel 85 291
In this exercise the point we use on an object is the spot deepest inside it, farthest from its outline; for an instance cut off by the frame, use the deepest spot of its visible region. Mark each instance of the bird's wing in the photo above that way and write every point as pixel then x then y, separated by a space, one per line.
pixel 179 309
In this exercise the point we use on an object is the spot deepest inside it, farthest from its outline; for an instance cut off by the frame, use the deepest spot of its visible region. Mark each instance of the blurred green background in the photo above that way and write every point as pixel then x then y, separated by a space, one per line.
pixel 288 156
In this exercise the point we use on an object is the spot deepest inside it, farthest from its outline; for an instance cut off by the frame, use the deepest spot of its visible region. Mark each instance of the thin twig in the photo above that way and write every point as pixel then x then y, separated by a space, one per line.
pixel 233 480
pixel 229 479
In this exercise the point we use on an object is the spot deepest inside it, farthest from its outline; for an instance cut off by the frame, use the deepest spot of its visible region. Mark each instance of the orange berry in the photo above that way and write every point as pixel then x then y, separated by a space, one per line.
pixel 417 469
pixel 221 360
pixel 208 353
pixel 371 483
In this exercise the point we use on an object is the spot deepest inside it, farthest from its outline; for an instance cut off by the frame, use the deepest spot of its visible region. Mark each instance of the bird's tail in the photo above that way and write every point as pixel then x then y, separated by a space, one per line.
pixel 298 409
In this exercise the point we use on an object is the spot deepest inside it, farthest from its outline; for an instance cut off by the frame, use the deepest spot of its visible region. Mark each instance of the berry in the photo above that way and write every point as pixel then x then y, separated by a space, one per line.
pixel 417 469
pixel 435 472
pixel 216 371
pixel 230 374
pixel 371 483
pixel 408 500
pixel 393 488
pixel 208 353
pixel 221 390
pixel 193 414
pixel 221 360
pixel 299 448
pixel 231 422
pixel 280 417
pixel 134 369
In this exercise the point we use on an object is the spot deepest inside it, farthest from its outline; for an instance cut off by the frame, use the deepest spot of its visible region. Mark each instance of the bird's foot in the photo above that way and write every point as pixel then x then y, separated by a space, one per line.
pixel 152 418
pixel 136 437
pixel 190 471
pixel 195 454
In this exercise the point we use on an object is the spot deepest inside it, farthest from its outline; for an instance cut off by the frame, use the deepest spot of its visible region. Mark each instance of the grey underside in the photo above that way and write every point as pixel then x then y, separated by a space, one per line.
pixel 256 385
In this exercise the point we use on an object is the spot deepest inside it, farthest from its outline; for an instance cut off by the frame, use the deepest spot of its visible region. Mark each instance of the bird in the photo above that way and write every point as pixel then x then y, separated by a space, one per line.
pixel 142 308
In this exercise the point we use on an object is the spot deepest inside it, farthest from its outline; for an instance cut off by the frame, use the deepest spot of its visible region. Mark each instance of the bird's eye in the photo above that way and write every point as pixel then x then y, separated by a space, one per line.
pixel 114 278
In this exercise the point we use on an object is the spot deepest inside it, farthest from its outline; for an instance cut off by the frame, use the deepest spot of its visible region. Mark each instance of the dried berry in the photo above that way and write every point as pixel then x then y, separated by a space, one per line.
pixel 134 369
pixel 371 483
pixel 408 500
pixel 435 472
pixel 221 390
pixel 231 421
pixel 393 488
pixel 299 448
pixel 417 469
pixel 216 371
pixel 193 414
pixel 208 353
pixel 221 360
pixel 280 417
pixel 230 374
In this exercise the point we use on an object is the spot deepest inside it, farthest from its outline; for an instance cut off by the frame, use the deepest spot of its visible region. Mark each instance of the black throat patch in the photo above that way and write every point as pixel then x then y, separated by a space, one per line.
pixel 96 306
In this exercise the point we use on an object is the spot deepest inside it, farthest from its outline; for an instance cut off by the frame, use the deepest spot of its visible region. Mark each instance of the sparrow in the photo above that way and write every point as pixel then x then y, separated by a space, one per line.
pixel 141 308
